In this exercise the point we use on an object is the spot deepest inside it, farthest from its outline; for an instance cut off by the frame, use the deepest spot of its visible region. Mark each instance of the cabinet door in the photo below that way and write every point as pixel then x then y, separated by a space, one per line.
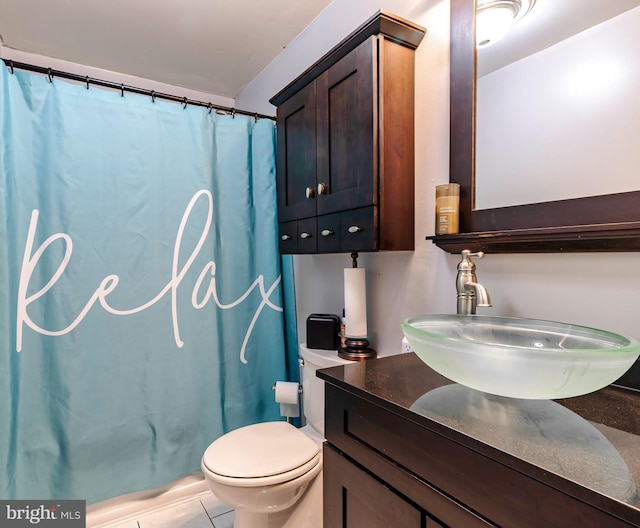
pixel 354 499
pixel 296 164
pixel 347 114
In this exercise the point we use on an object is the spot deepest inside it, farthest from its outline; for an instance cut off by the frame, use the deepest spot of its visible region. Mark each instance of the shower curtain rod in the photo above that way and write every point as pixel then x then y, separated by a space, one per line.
pixel 124 88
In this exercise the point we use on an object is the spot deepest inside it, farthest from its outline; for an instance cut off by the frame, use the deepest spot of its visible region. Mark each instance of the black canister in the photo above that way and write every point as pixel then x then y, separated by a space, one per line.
pixel 322 331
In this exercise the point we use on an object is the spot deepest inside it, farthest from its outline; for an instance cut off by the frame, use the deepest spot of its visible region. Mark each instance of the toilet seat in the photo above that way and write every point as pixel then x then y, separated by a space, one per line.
pixel 260 455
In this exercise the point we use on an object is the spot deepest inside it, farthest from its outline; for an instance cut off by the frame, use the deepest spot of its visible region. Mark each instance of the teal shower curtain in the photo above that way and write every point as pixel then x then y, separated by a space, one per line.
pixel 141 293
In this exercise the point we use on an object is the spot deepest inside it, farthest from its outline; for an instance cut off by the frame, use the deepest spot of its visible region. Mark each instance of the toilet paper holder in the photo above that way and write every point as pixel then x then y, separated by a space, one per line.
pixel 289 405
pixel 273 388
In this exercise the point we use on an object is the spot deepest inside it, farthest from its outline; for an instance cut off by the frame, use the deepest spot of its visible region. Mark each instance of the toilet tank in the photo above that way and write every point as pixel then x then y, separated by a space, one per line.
pixel 312 386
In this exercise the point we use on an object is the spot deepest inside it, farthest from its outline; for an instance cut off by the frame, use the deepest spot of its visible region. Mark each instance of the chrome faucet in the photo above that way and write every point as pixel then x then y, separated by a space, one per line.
pixel 470 292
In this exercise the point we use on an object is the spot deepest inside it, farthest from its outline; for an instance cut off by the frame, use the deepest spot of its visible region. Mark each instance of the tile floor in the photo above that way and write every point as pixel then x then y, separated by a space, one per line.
pixel 204 511
pixel 185 505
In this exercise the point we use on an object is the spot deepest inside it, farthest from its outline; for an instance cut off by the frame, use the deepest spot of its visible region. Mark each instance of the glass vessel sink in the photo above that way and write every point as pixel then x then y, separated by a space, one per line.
pixel 520 358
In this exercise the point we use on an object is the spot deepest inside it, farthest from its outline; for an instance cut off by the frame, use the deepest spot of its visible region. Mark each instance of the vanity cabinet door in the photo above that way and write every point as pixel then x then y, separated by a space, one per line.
pixel 354 499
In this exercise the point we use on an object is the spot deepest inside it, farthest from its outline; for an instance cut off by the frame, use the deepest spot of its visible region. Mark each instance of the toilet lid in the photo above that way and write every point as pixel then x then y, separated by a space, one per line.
pixel 260 450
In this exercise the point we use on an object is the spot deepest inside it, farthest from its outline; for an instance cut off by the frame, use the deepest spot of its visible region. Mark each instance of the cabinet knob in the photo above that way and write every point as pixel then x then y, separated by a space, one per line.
pixel 305 235
pixel 310 192
pixel 322 189
pixel 355 229
pixel 285 237
pixel 327 232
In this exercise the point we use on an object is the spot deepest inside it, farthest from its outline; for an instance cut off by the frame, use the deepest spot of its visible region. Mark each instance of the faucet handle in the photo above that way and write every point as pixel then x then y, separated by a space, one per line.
pixel 467 253
pixel 466 264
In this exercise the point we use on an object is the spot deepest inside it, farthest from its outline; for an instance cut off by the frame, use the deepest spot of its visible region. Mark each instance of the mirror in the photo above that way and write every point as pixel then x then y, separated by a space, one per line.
pixel 565 70
pixel 602 221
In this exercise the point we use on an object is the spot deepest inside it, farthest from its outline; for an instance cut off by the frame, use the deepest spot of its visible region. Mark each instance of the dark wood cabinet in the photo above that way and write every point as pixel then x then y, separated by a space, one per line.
pixel 383 457
pixel 345 155
pixel 354 498
pixel 360 433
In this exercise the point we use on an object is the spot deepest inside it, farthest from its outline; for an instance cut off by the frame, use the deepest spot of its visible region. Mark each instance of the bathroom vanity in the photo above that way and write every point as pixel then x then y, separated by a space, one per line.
pixel 406 447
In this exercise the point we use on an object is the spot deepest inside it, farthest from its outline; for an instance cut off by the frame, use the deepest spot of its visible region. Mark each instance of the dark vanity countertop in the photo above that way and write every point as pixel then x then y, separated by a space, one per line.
pixel 595 435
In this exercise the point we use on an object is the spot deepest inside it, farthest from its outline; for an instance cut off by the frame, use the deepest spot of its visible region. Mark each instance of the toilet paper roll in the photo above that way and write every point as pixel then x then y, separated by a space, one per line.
pixel 289 410
pixel 287 397
pixel 286 392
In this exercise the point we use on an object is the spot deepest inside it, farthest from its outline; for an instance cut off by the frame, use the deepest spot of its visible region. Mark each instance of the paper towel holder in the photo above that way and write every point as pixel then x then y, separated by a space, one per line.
pixel 355 348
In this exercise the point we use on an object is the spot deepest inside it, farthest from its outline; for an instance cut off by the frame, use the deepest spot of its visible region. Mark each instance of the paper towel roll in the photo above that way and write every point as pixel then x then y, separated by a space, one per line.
pixel 355 302
pixel 287 397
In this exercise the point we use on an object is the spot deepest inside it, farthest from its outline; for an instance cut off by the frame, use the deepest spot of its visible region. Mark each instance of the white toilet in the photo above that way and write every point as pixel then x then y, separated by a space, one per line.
pixel 271 473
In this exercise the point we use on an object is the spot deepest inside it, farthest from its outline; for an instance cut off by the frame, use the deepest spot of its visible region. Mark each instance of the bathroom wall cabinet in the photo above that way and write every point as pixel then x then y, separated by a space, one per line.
pixel 345 150
pixel 387 465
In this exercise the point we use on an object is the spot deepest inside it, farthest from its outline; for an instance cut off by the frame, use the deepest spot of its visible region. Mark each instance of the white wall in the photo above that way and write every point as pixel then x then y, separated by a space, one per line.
pixel 592 289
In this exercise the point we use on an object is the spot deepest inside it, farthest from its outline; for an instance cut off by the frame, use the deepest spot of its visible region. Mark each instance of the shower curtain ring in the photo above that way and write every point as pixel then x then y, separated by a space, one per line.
pixel 153 96
pixel 49 75
pixel 86 79
pixel 184 103
pixel 210 106
pixel 233 113
pixel 11 66
pixel 256 117
pixel 122 90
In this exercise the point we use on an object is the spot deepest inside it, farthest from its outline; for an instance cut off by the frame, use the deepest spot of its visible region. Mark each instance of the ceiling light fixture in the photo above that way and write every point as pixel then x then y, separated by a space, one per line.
pixel 494 18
